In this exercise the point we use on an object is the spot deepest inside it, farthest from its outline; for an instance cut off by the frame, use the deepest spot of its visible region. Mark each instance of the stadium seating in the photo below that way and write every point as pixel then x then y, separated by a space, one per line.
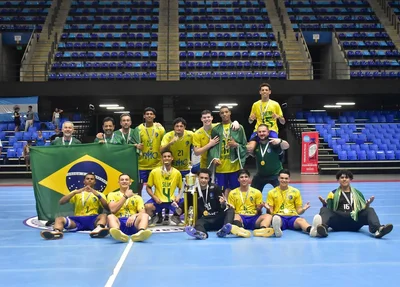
pixel 108 40
pixel 368 48
pixel 227 40
pixel 359 135
pixel 23 16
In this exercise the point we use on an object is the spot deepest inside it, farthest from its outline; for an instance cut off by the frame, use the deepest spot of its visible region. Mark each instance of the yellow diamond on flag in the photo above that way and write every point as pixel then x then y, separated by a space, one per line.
pixel 107 175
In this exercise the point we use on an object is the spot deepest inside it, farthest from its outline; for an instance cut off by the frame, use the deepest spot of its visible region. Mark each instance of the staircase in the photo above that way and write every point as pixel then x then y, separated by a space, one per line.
pixel 295 53
pixel 36 68
pixel 383 18
pixel 168 42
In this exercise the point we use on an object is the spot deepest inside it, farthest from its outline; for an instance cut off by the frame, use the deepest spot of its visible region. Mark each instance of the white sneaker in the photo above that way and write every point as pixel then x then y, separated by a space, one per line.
pixel 99 232
pixel 276 225
pixel 316 221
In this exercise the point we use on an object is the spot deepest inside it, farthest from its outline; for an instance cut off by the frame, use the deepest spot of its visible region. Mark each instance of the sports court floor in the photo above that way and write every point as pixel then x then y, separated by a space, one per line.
pixel 174 259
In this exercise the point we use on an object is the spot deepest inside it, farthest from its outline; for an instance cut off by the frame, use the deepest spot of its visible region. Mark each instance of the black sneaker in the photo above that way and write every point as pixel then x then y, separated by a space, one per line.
pixel 383 230
pixel 160 218
pixel 165 220
pixel 322 231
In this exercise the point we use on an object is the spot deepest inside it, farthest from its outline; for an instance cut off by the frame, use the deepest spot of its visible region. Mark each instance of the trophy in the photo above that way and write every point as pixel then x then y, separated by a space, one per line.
pixel 190 184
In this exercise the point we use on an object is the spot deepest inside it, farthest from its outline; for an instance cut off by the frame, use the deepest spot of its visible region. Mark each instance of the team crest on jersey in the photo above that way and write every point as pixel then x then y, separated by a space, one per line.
pixel 290 197
pixel 187 143
pixel 268 150
pixel 251 199
pixel 212 195
pixel 156 134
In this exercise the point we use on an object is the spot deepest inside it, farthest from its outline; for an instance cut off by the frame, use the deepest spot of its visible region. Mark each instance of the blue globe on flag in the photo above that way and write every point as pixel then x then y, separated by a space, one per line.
pixel 76 175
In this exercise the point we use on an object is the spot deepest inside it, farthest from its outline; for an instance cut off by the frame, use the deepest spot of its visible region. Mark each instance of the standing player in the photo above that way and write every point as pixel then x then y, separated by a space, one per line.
pixel 150 135
pixel 109 137
pixel 229 155
pixel 265 111
pixel 67 139
pixel 179 142
pixel 202 140
pixel 268 159
pixel 165 180
pixel 248 204
pixel 345 209
pixel 129 216
pixel 87 202
pixel 212 211
pixel 286 204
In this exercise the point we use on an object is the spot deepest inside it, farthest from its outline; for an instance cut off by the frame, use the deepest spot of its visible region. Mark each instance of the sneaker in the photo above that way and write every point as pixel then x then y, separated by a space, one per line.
pixel 225 230
pixel 276 225
pixel 177 220
pixel 99 232
pixel 195 233
pixel 153 220
pixel 314 227
pixel 165 220
pixel 240 231
pixel 159 218
pixel 51 234
pixel 322 230
pixel 263 232
pixel 383 230
pixel 142 235
pixel 119 235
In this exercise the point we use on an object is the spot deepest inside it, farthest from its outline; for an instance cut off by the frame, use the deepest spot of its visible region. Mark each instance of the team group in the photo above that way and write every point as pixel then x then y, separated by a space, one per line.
pixel 233 204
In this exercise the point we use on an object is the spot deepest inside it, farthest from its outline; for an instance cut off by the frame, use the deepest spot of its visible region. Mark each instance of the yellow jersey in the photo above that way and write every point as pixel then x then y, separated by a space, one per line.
pixel 150 137
pixel 226 165
pixel 89 205
pixel 245 203
pixel 165 183
pixel 285 202
pixel 132 205
pixel 180 149
pixel 200 139
pixel 263 112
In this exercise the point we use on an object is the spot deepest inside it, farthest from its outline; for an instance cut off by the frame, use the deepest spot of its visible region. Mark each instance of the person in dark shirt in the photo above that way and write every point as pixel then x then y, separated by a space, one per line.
pixel 212 210
pixel 57 134
pixel 346 209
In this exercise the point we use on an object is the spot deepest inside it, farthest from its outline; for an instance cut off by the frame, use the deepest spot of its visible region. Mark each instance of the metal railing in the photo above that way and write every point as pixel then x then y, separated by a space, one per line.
pixel 45 72
pixel 389 12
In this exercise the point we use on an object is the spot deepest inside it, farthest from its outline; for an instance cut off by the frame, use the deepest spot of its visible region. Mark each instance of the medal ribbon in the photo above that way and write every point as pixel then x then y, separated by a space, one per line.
pixel 205 201
pixel 244 201
pixel 347 199
pixel 70 141
pixel 263 112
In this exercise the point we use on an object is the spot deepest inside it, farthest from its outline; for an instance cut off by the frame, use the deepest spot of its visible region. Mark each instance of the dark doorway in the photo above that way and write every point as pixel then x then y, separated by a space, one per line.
pixel 316 56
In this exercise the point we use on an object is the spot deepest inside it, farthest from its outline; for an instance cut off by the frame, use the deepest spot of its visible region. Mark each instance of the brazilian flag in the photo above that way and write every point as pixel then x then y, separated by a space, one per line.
pixel 58 170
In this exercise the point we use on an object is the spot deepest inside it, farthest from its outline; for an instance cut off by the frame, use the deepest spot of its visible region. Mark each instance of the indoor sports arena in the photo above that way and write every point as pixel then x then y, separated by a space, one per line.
pixel 172 139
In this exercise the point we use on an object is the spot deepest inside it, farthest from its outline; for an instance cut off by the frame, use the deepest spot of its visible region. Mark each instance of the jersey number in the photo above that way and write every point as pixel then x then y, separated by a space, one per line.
pixel 346 206
pixel 180 152
pixel 166 192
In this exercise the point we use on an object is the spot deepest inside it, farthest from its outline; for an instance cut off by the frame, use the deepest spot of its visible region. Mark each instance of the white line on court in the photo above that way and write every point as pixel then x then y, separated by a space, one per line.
pixel 118 267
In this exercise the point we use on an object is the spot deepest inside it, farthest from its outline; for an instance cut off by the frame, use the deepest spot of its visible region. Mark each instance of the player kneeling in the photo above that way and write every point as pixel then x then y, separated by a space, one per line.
pixel 129 217
pixel 87 202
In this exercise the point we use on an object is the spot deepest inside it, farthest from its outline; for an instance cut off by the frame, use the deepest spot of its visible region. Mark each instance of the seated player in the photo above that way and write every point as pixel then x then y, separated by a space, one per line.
pixel 128 214
pixel 248 204
pixel 87 202
pixel 345 209
pixel 284 202
pixel 165 180
pixel 212 211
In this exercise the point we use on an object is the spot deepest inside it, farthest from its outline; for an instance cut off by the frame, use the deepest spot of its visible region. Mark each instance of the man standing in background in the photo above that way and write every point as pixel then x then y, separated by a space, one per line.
pixel 29 118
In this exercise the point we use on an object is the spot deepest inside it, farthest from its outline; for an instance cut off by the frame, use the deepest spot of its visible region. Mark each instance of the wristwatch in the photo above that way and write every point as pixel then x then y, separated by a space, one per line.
pixel 99 196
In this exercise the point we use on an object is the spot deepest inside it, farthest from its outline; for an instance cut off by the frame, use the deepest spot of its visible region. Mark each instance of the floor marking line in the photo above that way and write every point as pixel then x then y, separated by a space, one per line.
pixel 118 267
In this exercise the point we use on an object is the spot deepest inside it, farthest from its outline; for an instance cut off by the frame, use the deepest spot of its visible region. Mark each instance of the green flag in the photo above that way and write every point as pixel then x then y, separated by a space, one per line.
pixel 58 170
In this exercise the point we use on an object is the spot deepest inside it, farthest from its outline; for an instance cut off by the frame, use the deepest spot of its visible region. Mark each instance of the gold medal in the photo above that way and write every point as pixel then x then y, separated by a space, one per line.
pixel 205 213
pixel 262 162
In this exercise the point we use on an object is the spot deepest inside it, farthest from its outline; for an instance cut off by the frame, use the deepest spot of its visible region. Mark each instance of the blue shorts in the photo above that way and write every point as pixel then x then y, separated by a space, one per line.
pixel 288 222
pixel 254 136
pixel 160 207
pixel 196 168
pixel 227 180
pixel 125 229
pixel 81 222
pixel 249 221
pixel 144 176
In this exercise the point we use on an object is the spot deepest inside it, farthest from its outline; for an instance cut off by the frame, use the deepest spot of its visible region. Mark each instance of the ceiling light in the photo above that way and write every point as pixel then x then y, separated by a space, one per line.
pixel 115 108
pixel 121 112
pixel 215 111
pixel 108 105
pixel 317 111
pixel 218 107
pixel 346 104
pixel 332 106
pixel 228 104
